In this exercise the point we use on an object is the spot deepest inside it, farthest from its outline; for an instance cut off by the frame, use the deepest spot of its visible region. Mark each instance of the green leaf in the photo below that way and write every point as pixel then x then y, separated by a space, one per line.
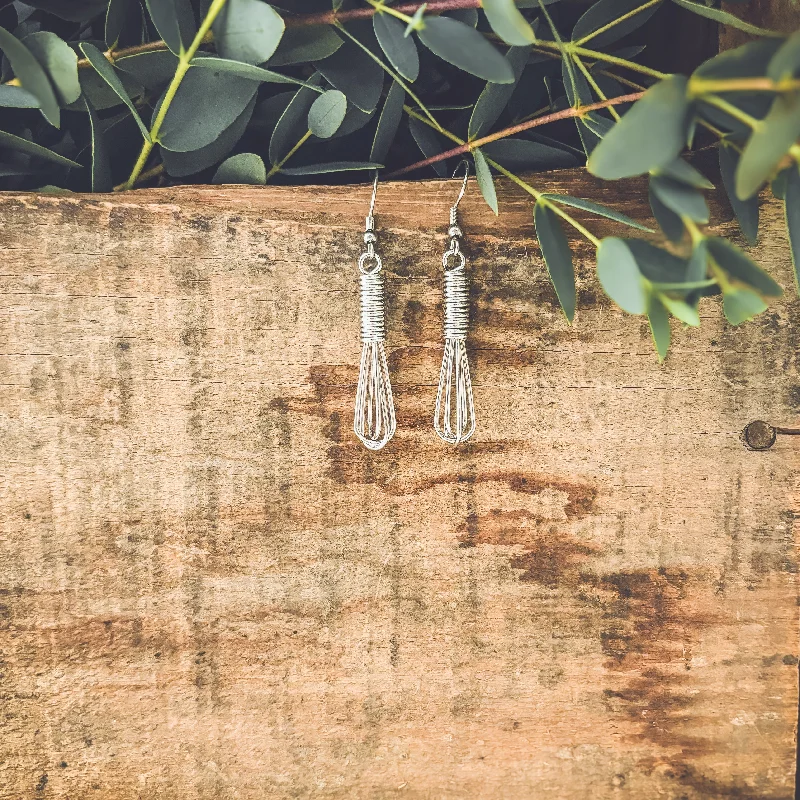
pixel 667 219
pixel 189 124
pixel 575 83
pixel 107 73
pixel 174 21
pixel 508 23
pixel 464 47
pixel 327 113
pixel 388 123
pixel 603 13
pixel 527 155
pixel 791 210
pixel 681 310
pixel 248 31
pixel 679 170
pixel 697 269
pixel 60 63
pixel 739 266
pixel 745 61
pixel 597 208
pixel 769 142
pixel 416 23
pixel 242 168
pixel 495 96
pixel 557 256
pixel 485 181
pixel 659 326
pixel 17 97
pixel 680 198
pixel 746 211
pixel 248 71
pixel 429 143
pixel 619 276
pixel 300 45
pixel 152 69
pixel 332 166
pixel 354 120
pixel 725 18
pixel 292 123
pixel 353 72
pixel 121 16
pixel 32 76
pixel 657 264
pixel 741 305
pixel 649 136
pixel 101 166
pixel 32 149
pixel 70 10
pixel 178 165
pixel 399 49
pixel 469 16
pixel 786 61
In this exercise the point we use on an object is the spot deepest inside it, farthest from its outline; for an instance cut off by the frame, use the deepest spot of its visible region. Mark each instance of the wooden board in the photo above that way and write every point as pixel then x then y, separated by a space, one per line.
pixel 211 590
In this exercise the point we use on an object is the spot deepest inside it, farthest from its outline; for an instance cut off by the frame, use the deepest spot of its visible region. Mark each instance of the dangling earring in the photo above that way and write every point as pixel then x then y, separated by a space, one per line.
pixel 374 422
pixel 454 418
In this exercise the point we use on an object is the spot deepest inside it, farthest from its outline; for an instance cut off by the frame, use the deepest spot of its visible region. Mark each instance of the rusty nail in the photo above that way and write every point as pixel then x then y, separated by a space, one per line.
pixel 760 435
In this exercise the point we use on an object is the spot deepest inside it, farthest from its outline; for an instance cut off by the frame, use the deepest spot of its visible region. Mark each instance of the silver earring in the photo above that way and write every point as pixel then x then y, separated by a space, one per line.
pixel 454 417
pixel 374 421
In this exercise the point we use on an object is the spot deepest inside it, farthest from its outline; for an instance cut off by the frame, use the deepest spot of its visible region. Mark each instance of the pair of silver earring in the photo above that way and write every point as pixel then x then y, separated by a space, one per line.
pixel 454 415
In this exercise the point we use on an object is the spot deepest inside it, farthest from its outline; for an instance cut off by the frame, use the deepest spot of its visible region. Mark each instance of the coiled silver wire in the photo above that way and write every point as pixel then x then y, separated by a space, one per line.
pixel 373 317
pixel 456 299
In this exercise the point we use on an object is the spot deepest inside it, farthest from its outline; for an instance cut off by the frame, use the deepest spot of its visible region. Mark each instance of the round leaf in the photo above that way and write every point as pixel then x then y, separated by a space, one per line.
pixel 619 276
pixel 248 31
pixel 242 168
pixel 399 48
pixel 59 61
pixel 467 49
pixel 649 136
pixel 174 21
pixel 678 197
pixel 292 124
pixel 508 23
pixel 326 114
pixel 557 256
pixel 741 267
pixel 741 305
pixel 17 97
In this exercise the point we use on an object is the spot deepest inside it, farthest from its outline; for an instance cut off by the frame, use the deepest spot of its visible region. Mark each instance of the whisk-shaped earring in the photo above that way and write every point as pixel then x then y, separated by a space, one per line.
pixel 454 418
pixel 374 421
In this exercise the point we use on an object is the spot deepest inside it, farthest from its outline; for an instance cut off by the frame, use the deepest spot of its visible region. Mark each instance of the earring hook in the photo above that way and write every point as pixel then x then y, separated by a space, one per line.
pixel 374 194
pixel 465 164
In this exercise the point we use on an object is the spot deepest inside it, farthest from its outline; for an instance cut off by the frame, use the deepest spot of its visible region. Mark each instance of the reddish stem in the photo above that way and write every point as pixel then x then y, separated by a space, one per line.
pixel 522 126
pixel 332 17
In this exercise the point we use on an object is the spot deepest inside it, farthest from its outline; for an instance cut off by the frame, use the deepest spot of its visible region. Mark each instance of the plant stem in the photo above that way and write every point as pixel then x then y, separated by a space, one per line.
pixel 466 147
pixel 593 83
pixel 617 21
pixel 384 9
pixel 184 62
pixel 702 86
pixel 275 168
pixel 732 110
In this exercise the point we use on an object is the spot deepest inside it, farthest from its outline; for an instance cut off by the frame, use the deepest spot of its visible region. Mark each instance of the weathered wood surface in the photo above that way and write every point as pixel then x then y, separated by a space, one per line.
pixel 211 590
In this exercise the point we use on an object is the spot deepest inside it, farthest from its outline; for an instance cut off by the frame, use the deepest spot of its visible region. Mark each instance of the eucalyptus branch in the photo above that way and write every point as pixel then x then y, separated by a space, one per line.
pixel 275 168
pixel 593 83
pixel 184 63
pixel 466 147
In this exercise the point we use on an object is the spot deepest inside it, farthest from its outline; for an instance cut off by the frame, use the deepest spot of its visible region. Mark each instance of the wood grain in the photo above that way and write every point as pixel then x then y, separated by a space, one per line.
pixel 211 590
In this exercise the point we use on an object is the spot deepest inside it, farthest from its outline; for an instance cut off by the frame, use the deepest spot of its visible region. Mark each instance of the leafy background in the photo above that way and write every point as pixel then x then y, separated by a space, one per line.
pixel 101 96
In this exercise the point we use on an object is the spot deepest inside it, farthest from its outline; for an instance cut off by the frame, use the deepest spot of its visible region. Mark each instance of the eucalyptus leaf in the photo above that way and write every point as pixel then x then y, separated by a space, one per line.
pixel 153 69
pixel 354 120
pixel 248 31
pixel 769 142
pixel 791 210
pixel 327 113
pixel 649 136
pixel 658 319
pixel 525 154
pixel 667 219
pixel 746 211
pixel 301 45
pixel 741 305
pixel 786 61
pixel 508 23
pixel 353 72
pixel 388 123
pixel 495 96
pixel 242 168
pixel 189 125
pixel 655 263
pixel 619 276
pixel 684 200
pixel 174 20
pixel 21 145
pixel 680 170
pixel 399 48
pixel 179 165
pixel 101 165
pixel 485 180
pixel 108 74
pixel 603 23
pixel 31 75
pixel 557 256
pixel 469 16
pixel 752 58
pixel 429 143
pixel 17 97
pixel 681 310
pixel 121 16
pixel 332 166
pixel 697 266
pixel 596 208
pixel 244 70
pixel 575 84
pixel 465 48
pixel 59 61
pixel 292 124
pixel 70 10
pixel 741 267
pixel 718 15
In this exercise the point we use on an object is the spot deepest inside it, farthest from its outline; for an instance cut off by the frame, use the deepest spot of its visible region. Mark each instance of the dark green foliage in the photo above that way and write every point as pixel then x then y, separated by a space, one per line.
pixel 102 92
